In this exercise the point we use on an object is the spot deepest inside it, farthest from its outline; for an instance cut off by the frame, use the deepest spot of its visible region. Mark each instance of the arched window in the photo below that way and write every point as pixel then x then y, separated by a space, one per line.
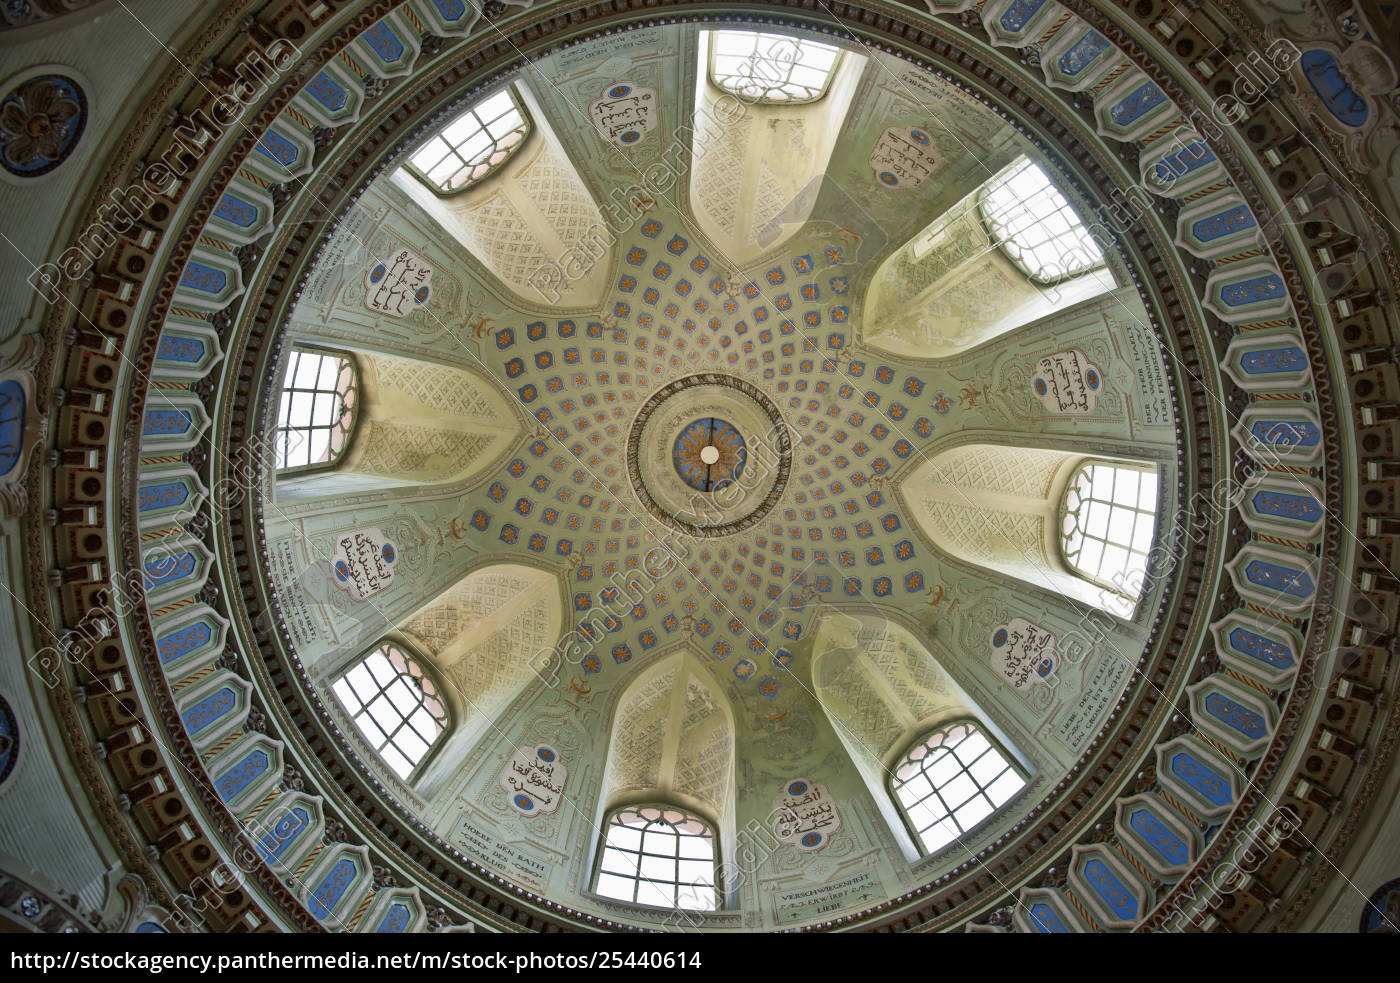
pixel 1036 227
pixel 771 68
pixel 950 781
pixel 473 145
pixel 660 856
pixel 316 414
pixel 1110 514
pixel 396 706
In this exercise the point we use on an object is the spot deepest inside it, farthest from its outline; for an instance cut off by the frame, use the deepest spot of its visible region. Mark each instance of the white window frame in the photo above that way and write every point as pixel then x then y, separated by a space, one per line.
pixel 624 863
pixel 381 693
pixel 981 787
pixel 783 68
pixel 1073 523
pixel 344 412
pixel 1027 228
pixel 493 159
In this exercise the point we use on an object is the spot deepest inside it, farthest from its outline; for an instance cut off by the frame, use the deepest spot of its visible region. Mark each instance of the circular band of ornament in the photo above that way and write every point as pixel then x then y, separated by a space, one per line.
pixel 755 444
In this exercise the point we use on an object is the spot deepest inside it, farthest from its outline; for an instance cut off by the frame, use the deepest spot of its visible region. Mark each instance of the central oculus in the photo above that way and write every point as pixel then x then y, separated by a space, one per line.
pixel 709 454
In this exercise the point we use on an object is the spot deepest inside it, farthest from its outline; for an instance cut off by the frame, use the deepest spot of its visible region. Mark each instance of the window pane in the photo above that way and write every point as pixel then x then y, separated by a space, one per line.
pixel 617 888
pixel 390 709
pixel 658 878
pixel 471 146
pixel 1036 226
pixel 949 770
pixel 771 68
pixel 315 413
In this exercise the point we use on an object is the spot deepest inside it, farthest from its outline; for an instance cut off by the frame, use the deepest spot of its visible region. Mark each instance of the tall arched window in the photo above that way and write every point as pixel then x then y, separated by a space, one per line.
pixel 771 68
pixel 473 145
pixel 1110 514
pixel 950 781
pixel 1036 227
pixel 660 856
pixel 316 414
pixel 396 706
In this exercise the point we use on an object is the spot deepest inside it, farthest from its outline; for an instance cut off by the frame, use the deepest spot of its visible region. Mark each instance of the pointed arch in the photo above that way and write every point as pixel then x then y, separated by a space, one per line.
pixel 479 635
pixel 359 421
pixel 671 749
pixel 527 215
pixel 1012 251
pixel 887 697
pixel 1007 509
pixel 756 159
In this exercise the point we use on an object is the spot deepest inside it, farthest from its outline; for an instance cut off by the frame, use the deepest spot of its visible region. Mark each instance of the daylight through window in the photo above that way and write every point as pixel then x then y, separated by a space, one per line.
pixel 659 856
pixel 1036 227
pixel 1110 514
pixel 395 705
pixel 473 145
pixel 771 68
pixel 316 414
pixel 950 781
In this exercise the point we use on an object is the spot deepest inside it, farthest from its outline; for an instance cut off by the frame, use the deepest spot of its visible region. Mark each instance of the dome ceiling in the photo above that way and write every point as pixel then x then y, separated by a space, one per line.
pixel 831 506
pixel 702 449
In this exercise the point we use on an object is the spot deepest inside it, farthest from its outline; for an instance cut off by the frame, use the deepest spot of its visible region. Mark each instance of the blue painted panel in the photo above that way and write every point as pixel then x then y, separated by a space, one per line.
pixel 1106 885
pixel 1016 16
pixel 1274 576
pixel 1270 360
pixel 329 93
pixel 165 495
pixel 162 570
pixel 166 422
pixel 1251 291
pixel 236 211
pixel 1137 103
pixel 1266 650
pixel 1044 920
pixel 280 837
pixel 1236 716
pixel 209 709
pixel 1231 220
pixel 1159 836
pixel 396 919
pixel 180 348
pixel 278 149
pixel 248 770
pixel 1303 508
pixel 1288 433
pixel 12 413
pixel 1212 787
pixel 183 641
pixel 206 279
pixel 333 887
pixel 1337 95
pixel 1085 50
